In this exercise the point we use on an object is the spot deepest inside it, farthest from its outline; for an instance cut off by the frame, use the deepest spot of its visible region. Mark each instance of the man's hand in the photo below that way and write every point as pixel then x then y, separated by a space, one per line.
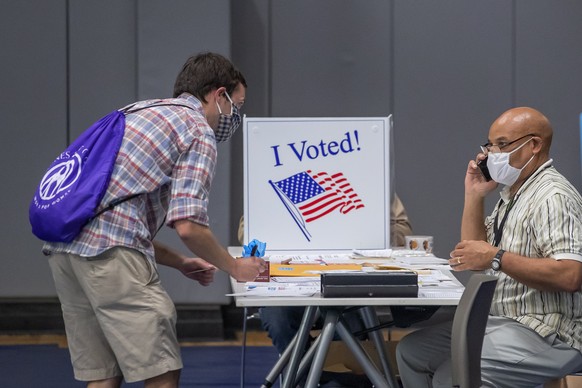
pixel 248 268
pixel 199 270
pixel 475 182
pixel 472 255
pixel 476 189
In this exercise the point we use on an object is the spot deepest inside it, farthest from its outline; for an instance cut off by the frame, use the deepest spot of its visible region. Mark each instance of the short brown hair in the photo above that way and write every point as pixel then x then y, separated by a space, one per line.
pixel 205 72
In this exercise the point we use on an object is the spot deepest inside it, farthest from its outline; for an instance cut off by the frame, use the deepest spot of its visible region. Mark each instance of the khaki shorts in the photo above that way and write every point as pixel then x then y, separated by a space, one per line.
pixel 118 319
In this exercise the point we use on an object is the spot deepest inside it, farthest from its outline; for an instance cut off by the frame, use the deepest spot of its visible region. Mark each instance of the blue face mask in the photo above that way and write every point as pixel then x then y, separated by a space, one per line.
pixel 227 124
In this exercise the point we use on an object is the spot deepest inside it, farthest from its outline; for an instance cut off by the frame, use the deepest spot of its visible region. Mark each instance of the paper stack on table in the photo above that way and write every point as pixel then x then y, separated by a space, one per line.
pixel 280 286
pixel 299 275
pixel 311 265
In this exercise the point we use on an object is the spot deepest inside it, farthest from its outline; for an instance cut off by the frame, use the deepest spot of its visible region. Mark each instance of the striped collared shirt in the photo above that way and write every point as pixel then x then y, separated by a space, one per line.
pixel 168 154
pixel 544 220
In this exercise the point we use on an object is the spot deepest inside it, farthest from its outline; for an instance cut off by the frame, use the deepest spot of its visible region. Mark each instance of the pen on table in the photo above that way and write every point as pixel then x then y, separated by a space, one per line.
pixel 199 270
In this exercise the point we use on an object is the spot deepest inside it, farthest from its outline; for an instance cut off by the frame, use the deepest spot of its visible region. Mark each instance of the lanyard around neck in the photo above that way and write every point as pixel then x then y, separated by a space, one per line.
pixel 498 230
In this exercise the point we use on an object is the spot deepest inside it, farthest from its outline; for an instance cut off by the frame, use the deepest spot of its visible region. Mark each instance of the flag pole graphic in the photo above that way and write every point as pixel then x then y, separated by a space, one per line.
pixel 292 209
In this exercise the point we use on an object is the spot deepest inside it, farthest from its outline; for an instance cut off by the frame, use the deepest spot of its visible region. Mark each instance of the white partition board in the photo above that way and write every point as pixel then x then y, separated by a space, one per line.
pixel 317 184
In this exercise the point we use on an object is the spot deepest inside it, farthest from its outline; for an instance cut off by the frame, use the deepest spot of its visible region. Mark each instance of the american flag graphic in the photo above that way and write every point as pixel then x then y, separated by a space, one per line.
pixel 309 196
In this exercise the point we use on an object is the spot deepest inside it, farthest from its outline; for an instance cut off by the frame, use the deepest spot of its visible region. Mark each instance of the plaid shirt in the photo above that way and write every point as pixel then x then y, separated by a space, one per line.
pixel 168 154
pixel 545 221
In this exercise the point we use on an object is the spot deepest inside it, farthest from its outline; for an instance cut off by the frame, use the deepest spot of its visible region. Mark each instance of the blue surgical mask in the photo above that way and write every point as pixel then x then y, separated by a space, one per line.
pixel 227 123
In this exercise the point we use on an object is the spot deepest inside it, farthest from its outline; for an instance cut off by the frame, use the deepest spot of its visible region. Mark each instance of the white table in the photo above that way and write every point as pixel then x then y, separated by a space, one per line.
pixel 331 310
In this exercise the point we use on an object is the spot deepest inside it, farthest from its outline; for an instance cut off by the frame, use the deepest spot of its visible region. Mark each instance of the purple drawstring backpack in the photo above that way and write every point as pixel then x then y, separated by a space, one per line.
pixel 72 188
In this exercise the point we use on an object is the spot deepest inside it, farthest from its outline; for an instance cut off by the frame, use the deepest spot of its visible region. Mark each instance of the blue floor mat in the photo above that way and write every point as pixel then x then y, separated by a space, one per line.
pixel 49 366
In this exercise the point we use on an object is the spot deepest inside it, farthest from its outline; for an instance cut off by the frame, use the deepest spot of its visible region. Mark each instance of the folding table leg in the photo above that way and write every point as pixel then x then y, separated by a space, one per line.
pixel 308 358
pixel 327 332
pixel 279 365
pixel 371 320
pixel 299 348
pixel 244 348
pixel 352 343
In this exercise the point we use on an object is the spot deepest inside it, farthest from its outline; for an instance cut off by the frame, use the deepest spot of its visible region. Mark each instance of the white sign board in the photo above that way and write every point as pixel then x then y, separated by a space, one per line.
pixel 317 184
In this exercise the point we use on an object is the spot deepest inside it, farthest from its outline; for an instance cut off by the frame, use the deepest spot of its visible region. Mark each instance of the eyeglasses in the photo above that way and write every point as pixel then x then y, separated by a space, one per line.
pixel 238 105
pixel 495 148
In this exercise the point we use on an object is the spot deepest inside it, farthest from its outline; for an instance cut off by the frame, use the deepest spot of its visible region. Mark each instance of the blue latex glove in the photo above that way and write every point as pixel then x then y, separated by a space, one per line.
pixel 255 248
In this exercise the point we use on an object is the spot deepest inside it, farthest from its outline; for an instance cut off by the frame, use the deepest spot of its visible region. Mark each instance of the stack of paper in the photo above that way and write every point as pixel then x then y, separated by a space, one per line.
pixel 281 287
pixel 311 265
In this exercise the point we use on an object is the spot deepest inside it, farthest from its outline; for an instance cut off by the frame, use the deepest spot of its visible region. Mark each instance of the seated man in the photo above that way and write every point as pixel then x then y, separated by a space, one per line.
pixel 533 242
pixel 282 322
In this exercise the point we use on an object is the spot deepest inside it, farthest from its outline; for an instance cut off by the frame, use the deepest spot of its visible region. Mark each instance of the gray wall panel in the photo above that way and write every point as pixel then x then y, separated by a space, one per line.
pixel 548 73
pixel 331 58
pixel 251 44
pixel 33 124
pixel 102 71
pixel 168 35
pixel 452 77
pixel 251 54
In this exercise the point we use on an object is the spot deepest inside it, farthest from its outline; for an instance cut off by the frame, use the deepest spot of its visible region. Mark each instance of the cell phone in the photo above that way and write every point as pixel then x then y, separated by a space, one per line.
pixel 482 164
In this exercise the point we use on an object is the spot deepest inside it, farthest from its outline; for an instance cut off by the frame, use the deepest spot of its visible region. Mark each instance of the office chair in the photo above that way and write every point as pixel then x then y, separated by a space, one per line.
pixel 468 330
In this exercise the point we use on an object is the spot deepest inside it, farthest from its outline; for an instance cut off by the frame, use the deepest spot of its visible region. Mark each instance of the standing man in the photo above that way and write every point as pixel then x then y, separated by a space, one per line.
pixel 119 320
pixel 533 242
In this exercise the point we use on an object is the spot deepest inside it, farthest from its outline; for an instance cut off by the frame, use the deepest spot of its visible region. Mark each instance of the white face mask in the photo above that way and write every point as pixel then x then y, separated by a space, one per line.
pixel 500 169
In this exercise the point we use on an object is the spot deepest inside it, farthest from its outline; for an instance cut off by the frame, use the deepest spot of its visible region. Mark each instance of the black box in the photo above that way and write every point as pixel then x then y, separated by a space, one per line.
pixel 402 284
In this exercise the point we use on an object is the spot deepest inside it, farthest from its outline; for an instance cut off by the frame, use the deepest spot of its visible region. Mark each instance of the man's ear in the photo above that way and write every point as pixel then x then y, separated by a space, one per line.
pixel 212 96
pixel 220 92
pixel 537 144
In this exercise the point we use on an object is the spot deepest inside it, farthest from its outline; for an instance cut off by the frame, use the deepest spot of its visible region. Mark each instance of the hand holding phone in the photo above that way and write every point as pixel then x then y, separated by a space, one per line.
pixel 482 164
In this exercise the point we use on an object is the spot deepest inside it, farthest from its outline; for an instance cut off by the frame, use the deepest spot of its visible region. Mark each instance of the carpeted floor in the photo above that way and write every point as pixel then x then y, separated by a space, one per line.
pixel 48 366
